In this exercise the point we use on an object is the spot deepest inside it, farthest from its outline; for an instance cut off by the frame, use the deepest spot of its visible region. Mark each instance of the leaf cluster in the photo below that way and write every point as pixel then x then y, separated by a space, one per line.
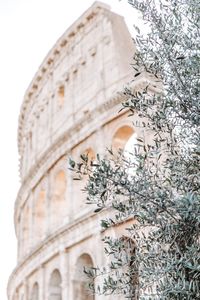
pixel 158 188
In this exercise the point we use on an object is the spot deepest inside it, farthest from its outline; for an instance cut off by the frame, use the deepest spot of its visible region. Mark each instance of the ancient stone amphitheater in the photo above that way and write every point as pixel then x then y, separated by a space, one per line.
pixel 71 107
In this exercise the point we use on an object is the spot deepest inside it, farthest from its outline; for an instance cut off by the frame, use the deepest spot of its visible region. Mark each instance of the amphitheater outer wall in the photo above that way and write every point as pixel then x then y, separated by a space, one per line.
pixel 71 107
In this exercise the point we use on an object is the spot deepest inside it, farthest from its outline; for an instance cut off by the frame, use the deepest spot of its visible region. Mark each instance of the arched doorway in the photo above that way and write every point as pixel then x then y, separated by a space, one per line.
pixel 80 285
pixel 58 201
pixel 55 290
pixel 39 216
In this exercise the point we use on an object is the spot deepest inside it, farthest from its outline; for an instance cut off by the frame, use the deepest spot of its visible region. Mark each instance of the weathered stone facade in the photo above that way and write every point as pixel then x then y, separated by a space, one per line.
pixel 70 107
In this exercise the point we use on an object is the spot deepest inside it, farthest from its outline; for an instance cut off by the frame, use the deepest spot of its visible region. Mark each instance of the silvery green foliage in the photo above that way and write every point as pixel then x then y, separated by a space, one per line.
pixel 159 188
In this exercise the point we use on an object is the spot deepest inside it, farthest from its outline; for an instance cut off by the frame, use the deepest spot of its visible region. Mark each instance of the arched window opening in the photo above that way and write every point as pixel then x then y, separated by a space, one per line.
pixel 125 139
pixel 80 285
pixel 61 96
pixel 131 147
pixel 55 290
pixel 39 216
pixel 121 137
pixel 35 292
pixel 58 203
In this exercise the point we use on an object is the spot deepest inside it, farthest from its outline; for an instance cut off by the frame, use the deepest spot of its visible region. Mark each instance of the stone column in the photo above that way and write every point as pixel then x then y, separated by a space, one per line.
pixel 70 193
pixel 64 273
pixel 100 146
pixel 30 207
pixel 32 203
pixel 19 237
pixel 42 283
pixel 25 158
pixel 101 260
pixel 48 200
pixel 15 296
pixel 26 290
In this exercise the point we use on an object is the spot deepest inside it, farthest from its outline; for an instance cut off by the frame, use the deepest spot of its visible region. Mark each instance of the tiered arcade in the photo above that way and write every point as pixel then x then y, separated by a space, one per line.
pixel 71 107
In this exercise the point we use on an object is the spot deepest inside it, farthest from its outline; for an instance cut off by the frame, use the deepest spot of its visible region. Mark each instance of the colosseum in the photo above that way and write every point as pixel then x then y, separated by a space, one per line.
pixel 71 107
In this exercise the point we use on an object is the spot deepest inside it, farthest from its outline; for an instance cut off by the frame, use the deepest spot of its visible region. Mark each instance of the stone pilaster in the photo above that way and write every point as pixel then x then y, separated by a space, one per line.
pixel 15 297
pixel 20 238
pixel 30 204
pixel 64 273
pixel 48 208
pixel 70 193
pixel 100 140
pixel 42 283
pixel 26 290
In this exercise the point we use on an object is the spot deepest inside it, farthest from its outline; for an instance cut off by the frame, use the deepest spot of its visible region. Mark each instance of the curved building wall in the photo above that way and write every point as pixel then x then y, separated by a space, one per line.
pixel 69 108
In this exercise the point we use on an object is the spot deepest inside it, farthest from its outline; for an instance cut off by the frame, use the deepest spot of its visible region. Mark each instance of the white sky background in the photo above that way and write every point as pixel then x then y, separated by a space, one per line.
pixel 28 30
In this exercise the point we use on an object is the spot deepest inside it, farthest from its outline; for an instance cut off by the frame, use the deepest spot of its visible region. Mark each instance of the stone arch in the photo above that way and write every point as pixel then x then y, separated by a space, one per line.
pixel 39 214
pixel 80 288
pixel 55 289
pixel 121 137
pixel 58 201
pixel 35 292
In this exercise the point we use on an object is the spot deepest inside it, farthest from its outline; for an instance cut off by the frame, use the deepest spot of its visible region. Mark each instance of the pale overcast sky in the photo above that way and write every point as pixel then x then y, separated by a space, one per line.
pixel 28 30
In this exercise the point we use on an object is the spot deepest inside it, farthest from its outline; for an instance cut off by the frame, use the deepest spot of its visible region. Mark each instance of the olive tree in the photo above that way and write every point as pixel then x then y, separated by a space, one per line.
pixel 158 187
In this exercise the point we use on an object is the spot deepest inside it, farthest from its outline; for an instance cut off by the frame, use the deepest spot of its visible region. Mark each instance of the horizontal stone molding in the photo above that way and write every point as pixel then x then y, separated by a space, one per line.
pixel 106 112
pixel 65 143
pixel 64 238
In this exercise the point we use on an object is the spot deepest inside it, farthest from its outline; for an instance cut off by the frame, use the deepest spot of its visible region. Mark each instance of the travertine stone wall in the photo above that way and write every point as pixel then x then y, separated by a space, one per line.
pixel 71 107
